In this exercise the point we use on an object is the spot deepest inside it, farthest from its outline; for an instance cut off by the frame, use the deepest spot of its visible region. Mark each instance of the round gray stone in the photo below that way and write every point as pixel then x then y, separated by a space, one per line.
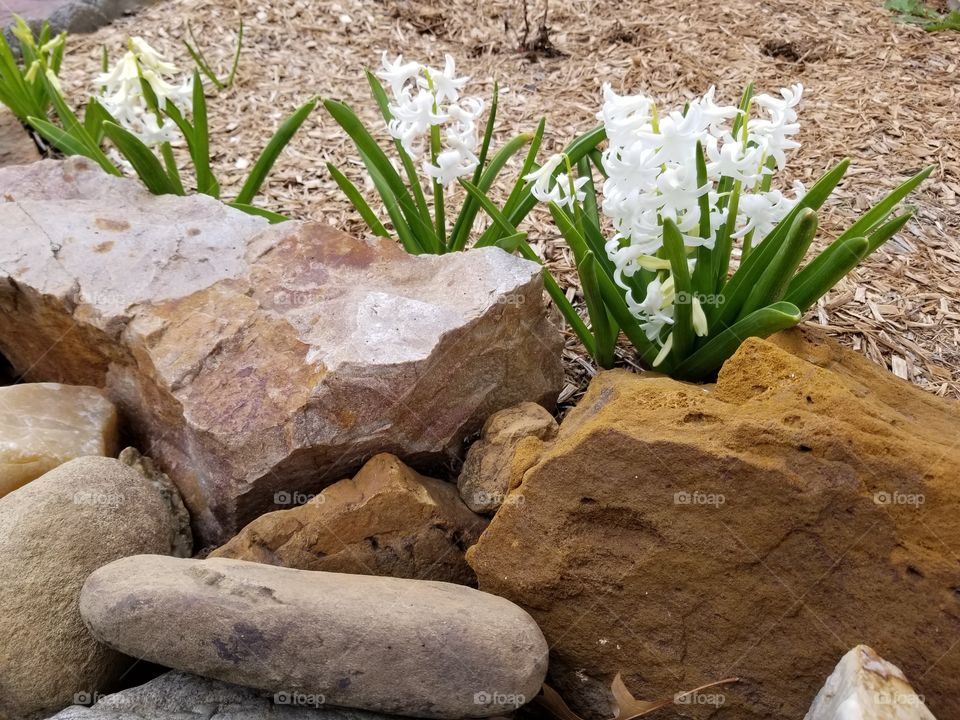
pixel 55 531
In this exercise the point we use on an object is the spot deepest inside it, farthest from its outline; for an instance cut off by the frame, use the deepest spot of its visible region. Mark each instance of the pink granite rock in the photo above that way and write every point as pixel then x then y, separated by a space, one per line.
pixel 250 359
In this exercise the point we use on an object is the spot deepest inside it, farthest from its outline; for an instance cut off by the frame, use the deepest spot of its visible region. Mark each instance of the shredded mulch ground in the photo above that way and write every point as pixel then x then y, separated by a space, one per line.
pixel 883 93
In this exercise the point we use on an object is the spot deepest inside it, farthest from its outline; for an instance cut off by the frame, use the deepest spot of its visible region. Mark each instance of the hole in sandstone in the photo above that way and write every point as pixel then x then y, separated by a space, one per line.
pixel 374 543
pixel 698 417
pixel 804 448
pixel 460 540
pixel 587 501
pixel 913 572
pixel 809 399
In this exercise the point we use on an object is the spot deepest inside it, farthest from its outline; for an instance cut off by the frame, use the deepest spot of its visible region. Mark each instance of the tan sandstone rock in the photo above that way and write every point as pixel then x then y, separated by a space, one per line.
pixel 758 528
pixel 253 360
pixel 864 686
pixel 54 532
pixel 388 520
pixel 16 146
pixel 43 425
pixel 407 647
pixel 509 444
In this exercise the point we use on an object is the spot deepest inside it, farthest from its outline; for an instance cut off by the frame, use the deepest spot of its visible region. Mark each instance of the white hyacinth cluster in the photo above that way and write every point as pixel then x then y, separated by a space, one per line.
pixel 121 94
pixel 651 166
pixel 425 99
pixel 652 175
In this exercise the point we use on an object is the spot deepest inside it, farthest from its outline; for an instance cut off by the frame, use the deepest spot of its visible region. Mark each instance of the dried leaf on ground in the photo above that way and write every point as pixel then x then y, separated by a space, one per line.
pixel 626 706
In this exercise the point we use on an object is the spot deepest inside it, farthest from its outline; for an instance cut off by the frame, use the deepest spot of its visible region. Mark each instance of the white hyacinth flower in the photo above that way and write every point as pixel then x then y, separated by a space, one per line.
pixel 451 164
pixel 656 310
pixel 570 190
pixel 54 80
pixel 565 192
pixel 446 85
pixel 664 351
pixel 150 58
pixel 651 165
pixel 424 99
pixel 542 178
pixel 398 74
pixel 121 93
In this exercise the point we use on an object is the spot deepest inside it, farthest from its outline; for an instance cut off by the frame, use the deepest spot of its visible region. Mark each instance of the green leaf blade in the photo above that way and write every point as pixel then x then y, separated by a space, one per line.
pixel 762 323
pixel 144 162
pixel 358 202
pixel 273 217
pixel 776 278
pixel 862 227
pixel 200 147
pixel 272 150
pixel 683 287
pixel 604 333
pixel 738 287
pixel 841 261
pixel 378 164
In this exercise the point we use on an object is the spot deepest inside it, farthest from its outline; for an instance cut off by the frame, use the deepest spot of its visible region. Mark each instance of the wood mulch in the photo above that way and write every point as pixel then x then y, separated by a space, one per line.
pixel 885 94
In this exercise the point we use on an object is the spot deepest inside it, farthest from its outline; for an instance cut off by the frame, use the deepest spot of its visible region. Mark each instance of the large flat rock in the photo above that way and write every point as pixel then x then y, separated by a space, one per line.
pixel 250 359
pixel 758 528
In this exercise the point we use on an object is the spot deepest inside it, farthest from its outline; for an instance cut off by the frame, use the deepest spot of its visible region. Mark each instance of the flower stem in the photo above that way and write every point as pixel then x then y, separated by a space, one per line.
pixel 438 210
pixel 440 218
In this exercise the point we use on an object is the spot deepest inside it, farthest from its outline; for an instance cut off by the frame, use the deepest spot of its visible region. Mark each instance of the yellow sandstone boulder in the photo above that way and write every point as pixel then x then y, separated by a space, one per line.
pixel 756 528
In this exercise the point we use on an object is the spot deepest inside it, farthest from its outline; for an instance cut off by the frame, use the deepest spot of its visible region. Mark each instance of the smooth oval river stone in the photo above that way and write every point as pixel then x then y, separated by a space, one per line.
pixel 410 647
pixel 54 532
